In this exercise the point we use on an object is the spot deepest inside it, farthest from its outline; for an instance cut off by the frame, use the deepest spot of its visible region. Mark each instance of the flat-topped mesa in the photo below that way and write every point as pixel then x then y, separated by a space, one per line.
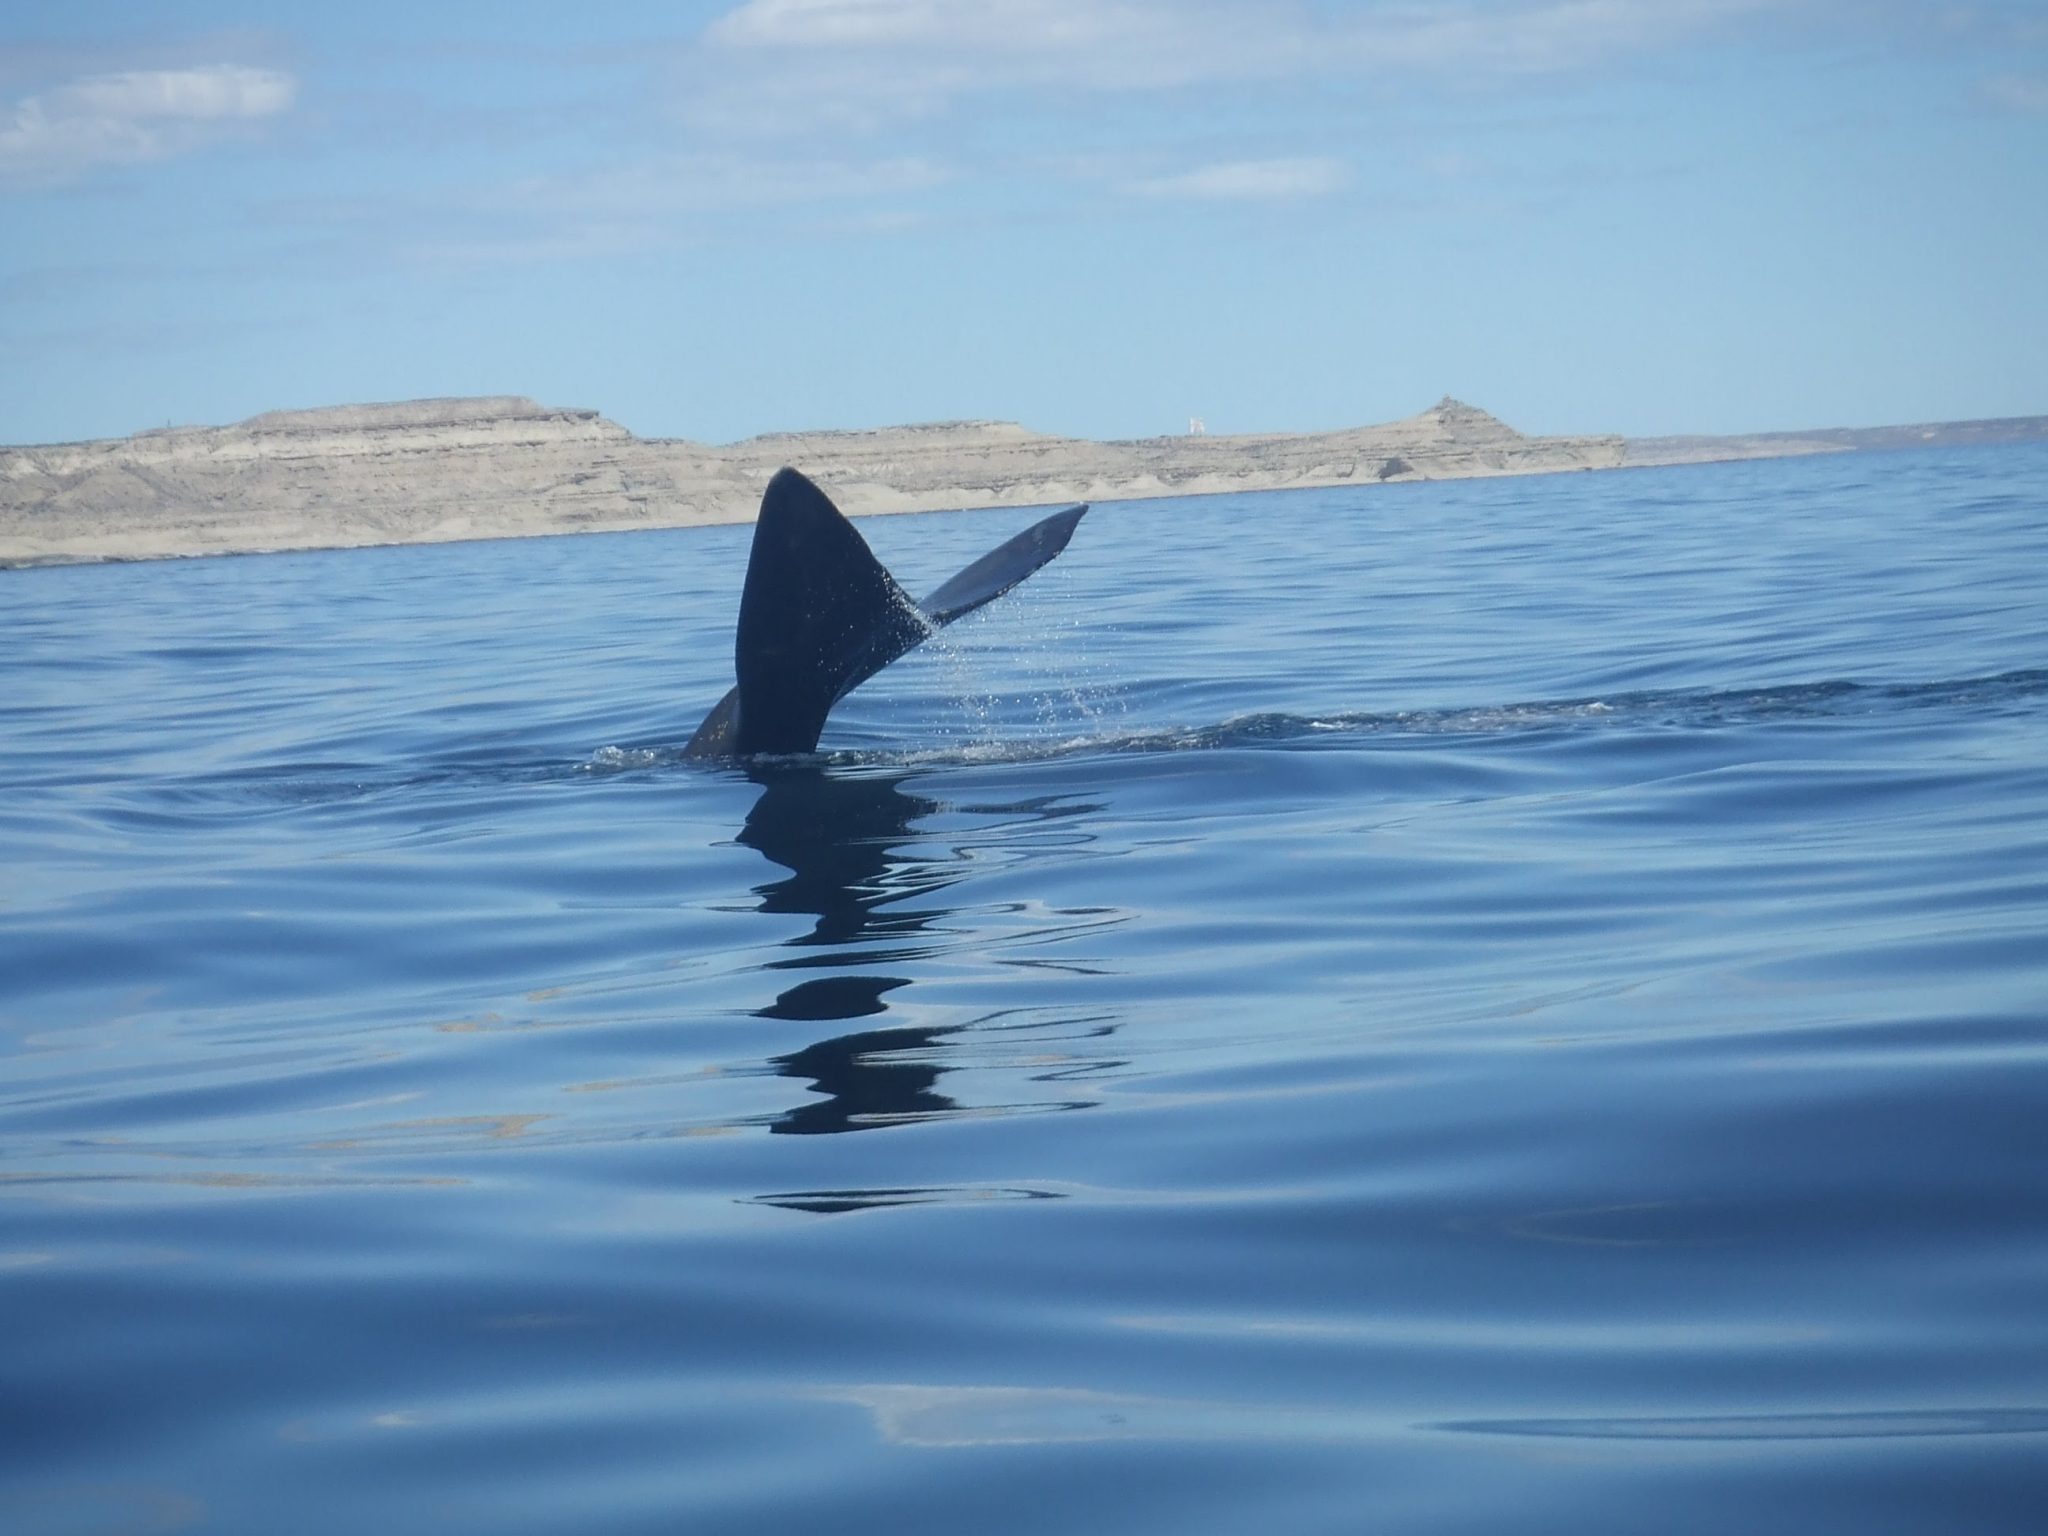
pixel 440 411
pixel 410 426
pixel 332 433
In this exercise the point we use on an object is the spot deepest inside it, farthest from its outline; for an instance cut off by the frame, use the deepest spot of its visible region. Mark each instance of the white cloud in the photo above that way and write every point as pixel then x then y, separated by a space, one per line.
pixel 1087 42
pixel 135 116
pixel 1553 36
pixel 1149 42
pixel 1033 24
pixel 790 68
pixel 196 95
pixel 1251 181
pixel 795 67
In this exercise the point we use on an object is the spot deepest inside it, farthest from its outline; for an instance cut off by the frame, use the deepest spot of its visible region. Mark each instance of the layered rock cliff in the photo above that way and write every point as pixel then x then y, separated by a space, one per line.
pixel 424 471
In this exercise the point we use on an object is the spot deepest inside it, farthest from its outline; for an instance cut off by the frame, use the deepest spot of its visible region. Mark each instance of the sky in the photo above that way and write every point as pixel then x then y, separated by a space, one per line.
pixel 1095 217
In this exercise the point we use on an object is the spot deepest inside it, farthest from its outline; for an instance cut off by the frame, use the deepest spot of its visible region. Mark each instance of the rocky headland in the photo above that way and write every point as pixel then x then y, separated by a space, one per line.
pixel 427 471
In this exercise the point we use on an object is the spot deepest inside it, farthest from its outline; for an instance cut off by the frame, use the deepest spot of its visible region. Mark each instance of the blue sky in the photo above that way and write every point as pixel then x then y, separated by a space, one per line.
pixel 1098 217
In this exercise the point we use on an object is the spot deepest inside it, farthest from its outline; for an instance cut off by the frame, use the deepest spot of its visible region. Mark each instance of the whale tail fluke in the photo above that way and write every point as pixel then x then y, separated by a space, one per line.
pixel 1002 568
pixel 820 615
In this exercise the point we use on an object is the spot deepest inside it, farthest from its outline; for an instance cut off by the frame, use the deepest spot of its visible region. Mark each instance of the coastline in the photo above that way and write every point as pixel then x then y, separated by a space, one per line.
pixel 436 471
pixel 440 471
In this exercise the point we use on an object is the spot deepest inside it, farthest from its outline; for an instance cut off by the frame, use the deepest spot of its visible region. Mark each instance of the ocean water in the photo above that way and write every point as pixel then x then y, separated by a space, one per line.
pixel 1500 1006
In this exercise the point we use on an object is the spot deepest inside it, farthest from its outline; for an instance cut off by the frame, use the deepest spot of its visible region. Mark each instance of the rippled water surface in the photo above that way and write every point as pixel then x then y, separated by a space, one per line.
pixel 1500 1006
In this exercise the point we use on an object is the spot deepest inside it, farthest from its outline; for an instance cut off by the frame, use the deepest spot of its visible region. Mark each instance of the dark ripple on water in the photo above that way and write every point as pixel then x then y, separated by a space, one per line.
pixel 1240 1037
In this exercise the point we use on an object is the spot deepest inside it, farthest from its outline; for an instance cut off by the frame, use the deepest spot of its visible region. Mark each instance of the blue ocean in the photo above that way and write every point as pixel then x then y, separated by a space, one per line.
pixel 1499 1006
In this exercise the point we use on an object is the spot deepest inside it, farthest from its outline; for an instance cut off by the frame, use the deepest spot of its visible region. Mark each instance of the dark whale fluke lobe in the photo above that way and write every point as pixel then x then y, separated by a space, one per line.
pixel 820 615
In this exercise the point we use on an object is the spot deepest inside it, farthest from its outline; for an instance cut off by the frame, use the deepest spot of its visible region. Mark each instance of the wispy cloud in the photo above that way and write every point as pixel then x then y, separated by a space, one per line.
pixel 132 117
pixel 798 68
pixel 711 182
pixel 657 202
pixel 1094 44
pixel 1037 24
pixel 1149 43
pixel 1251 181
pixel 2025 94
pixel 1547 37
pixel 877 113
pixel 789 68
pixel 870 113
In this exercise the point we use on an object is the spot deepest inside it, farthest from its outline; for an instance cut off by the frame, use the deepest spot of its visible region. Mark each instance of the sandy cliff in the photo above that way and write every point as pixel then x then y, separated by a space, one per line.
pixel 424 471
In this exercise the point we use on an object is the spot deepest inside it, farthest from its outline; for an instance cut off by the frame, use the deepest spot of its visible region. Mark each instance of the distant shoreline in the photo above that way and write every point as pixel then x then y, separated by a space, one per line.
pixel 443 471
pixel 1644 452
